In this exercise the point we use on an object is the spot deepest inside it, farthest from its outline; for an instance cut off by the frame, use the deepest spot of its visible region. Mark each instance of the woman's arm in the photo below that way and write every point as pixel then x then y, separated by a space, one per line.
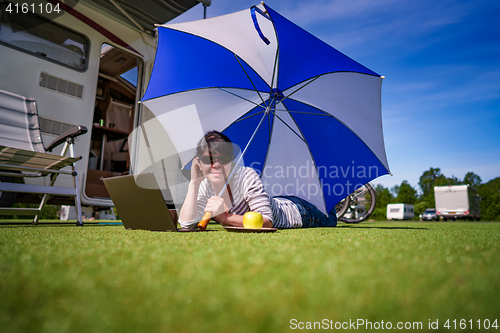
pixel 235 220
pixel 189 210
pixel 255 196
pixel 218 208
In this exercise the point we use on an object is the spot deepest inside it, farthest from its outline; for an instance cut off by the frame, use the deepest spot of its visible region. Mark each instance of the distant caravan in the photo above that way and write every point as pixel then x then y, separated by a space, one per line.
pixel 457 202
pixel 400 211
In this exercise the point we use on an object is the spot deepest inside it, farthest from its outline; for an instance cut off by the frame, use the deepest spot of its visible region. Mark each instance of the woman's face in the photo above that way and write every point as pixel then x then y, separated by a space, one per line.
pixel 215 167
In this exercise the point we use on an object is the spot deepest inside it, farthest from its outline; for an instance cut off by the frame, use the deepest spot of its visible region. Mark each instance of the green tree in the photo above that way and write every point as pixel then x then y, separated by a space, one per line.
pixel 428 180
pixel 490 200
pixel 405 193
pixel 421 206
pixel 384 197
pixel 472 179
pixel 441 181
pixel 434 177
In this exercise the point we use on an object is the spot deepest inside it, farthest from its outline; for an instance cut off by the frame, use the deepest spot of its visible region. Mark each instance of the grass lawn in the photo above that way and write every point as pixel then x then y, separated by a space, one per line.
pixel 103 278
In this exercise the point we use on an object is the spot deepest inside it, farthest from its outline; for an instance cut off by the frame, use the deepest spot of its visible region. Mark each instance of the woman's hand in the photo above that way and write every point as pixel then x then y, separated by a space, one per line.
pixel 216 206
pixel 196 173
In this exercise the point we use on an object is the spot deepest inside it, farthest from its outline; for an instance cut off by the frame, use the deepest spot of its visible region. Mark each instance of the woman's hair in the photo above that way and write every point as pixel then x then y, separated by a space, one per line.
pixel 216 143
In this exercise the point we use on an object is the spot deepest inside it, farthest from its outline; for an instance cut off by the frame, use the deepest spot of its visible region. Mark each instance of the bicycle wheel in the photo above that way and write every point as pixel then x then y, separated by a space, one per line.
pixel 342 206
pixel 362 204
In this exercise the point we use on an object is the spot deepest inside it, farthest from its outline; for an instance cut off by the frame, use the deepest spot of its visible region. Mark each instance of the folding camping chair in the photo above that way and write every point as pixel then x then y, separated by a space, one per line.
pixel 22 155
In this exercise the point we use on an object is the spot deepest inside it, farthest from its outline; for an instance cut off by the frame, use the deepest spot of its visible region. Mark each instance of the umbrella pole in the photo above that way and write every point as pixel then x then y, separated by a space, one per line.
pixel 243 152
pixel 208 216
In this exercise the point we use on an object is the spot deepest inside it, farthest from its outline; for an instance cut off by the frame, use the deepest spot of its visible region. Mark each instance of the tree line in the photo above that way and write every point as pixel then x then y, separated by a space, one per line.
pixel 405 193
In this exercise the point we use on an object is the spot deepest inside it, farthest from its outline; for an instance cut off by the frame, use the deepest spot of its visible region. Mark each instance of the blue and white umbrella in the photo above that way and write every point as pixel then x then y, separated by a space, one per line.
pixel 313 114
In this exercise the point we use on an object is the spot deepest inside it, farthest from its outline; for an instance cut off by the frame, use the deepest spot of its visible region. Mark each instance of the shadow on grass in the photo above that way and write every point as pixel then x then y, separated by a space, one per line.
pixel 373 227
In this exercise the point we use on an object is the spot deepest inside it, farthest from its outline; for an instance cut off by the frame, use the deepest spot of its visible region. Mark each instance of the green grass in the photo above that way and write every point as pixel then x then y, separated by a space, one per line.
pixel 107 279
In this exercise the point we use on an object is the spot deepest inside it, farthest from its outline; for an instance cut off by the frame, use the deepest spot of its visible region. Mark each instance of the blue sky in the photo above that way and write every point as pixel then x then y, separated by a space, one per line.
pixel 441 60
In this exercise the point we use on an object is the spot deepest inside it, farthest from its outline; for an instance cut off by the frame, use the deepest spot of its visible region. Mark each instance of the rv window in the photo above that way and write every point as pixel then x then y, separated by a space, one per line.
pixel 43 38
pixel 131 76
pixel 394 210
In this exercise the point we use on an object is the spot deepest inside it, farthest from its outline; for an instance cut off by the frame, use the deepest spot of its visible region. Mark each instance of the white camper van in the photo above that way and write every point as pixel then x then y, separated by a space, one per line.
pixel 400 211
pixel 457 202
pixel 88 65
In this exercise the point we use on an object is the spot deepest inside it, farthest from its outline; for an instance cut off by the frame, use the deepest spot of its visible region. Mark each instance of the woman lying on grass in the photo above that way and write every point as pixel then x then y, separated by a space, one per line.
pixel 210 169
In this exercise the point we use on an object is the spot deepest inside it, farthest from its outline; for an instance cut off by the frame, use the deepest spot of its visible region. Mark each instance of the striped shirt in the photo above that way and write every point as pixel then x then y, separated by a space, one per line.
pixel 249 195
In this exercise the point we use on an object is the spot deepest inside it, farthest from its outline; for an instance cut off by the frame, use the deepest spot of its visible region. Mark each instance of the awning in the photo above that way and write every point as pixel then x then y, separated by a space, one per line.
pixel 144 14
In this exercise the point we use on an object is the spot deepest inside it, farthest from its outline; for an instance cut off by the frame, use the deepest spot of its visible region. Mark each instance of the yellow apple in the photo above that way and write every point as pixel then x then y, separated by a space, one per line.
pixel 253 220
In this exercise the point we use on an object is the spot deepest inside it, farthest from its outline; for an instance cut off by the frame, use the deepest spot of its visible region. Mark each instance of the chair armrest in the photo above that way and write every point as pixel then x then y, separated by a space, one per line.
pixel 70 134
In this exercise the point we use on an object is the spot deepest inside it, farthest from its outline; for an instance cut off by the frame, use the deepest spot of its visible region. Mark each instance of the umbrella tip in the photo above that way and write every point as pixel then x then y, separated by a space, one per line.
pixel 382 77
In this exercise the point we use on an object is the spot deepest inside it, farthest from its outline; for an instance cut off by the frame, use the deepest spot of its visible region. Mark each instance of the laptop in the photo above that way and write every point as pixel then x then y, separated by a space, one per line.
pixel 141 207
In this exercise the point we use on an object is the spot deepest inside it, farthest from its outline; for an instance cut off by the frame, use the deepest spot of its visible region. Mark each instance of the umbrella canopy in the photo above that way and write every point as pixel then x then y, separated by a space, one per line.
pixel 315 112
